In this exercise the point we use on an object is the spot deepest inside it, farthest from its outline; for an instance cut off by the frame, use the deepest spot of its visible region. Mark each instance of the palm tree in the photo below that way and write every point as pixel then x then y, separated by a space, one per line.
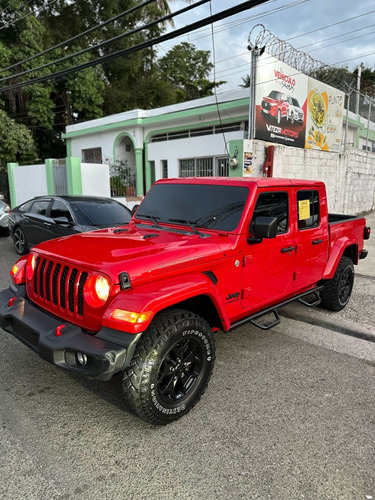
pixel 245 82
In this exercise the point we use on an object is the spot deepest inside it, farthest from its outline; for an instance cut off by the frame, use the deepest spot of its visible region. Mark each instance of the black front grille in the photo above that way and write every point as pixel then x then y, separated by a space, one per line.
pixel 59 285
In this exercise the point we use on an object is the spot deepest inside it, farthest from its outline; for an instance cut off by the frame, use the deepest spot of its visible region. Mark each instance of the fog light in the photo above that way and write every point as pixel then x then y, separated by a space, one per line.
pixel 81 358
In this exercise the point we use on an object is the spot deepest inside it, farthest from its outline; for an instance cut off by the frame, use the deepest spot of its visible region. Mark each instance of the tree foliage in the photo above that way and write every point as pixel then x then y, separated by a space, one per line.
pixel 16 143
pixel 187 70
pixel 139 80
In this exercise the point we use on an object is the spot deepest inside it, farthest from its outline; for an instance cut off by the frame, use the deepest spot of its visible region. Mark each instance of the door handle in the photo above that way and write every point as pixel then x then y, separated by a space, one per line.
pixel 47 224
pixel 316 242
pixel 287 249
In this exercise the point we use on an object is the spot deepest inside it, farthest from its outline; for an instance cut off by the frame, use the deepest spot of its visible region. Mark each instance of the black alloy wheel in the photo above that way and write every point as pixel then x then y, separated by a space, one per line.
pixel 337 291
pixel 20 241
pixel 171 367
pixel 180 370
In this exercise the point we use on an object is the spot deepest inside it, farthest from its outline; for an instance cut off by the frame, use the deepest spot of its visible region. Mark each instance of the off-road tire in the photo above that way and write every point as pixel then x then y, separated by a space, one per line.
pixel 21 245
pixel 337 291
pixel 171 367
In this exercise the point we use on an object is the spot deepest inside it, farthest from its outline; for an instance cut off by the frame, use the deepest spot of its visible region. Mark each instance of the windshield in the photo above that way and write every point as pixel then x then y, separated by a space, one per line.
pixel 274 94
pixel 100 213
pixel 205 206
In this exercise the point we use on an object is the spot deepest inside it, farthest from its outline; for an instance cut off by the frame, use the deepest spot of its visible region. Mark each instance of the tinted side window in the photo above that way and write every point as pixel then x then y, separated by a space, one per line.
pixel 40 207
pixel 308 209
pixel 100 213
pixel 273 204
pixel 59 209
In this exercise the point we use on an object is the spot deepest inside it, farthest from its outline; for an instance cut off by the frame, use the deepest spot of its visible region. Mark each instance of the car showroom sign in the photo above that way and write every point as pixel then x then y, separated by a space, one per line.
pixel 294 109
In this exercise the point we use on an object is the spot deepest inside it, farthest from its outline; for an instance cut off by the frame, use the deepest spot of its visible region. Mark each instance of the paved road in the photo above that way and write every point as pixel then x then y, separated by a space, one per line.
pixel 289 414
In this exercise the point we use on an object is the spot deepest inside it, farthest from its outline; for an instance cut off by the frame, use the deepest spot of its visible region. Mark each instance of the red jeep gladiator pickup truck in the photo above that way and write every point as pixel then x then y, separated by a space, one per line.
pixel 199 255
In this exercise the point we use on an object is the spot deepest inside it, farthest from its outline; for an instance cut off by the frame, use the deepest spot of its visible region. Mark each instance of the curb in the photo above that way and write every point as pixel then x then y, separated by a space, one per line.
pixel 308 315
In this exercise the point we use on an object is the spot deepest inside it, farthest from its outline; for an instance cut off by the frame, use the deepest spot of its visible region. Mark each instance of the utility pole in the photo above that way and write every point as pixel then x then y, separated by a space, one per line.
pixel 358 88
pixel 256 52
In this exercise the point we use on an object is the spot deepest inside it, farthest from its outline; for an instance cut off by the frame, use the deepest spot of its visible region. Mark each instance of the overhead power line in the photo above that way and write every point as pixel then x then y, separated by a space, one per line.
pixel 106 42
pixel 149 43
pixel 80 35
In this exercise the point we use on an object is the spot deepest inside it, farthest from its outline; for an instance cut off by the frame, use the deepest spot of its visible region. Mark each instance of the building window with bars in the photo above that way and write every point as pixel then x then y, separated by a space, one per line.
pixel 164 169
pixel 196 167
pixel 92 155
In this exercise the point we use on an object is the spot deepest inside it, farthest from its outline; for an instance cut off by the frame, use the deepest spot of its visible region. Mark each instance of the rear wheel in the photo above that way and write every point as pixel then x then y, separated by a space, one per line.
pixel 171 367
pixel 20 241
pixel 337 291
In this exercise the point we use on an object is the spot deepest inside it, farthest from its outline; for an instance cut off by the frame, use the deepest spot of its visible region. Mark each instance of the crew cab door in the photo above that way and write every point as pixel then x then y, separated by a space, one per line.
pixel 269 264
pixel 311 236
pixel 35 221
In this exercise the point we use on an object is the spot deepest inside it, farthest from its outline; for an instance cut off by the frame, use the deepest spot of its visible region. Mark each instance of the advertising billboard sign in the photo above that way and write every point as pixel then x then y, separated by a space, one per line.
pixel 294 109
pixel 325 109
pixel 280 100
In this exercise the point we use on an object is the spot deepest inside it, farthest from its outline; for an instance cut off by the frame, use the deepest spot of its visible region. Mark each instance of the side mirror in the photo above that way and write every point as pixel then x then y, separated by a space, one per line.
pixel 264 227
pixel 134 209
pixel 63 221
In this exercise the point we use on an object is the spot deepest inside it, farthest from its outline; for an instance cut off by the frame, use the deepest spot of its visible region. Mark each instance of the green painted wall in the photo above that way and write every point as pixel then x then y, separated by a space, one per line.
pixel 74 177
pixel 50 176
pixel 139 170
pixel 236 150
pixel 12 187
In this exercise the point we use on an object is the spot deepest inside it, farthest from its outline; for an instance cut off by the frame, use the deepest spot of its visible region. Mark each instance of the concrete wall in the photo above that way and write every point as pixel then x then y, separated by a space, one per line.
pixel 359 181
pixel 95 179
pixel 349 178
pixel 29 181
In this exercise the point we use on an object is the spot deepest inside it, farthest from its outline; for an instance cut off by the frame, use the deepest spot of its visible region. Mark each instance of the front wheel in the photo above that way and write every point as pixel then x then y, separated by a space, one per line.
pixel 336 292
pixel 171 367
pixel 20 241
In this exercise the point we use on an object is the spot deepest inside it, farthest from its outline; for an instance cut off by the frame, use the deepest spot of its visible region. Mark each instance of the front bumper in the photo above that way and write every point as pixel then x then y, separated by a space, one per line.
pixel 106 353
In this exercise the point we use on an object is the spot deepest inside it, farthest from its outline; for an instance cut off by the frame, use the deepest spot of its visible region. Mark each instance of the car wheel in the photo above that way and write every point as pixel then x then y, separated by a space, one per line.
pixel 337 291
pixel 171 367
pixel 20 241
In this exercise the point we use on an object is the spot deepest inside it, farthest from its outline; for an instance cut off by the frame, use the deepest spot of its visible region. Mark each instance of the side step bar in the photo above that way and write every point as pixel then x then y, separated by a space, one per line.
pixel 253 319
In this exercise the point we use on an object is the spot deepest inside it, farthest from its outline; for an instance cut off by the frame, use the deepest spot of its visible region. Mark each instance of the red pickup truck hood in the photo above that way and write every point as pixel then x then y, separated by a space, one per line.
pixel 140 252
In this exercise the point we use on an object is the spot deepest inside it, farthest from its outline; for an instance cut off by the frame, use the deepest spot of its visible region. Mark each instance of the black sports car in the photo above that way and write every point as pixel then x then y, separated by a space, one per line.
pixel 47 217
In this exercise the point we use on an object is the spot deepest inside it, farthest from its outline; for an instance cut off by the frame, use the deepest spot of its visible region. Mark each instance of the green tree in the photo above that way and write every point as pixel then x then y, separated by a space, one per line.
pixel 16 143
pixel 187 69
pixel 245 82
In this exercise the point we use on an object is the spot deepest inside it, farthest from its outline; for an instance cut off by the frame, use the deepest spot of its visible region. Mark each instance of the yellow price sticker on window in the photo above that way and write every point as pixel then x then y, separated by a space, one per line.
pixel 304 209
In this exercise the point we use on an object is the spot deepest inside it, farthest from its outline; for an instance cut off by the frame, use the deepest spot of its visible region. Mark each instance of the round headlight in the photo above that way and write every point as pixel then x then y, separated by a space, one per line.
pixel 102 288
pixel 97 290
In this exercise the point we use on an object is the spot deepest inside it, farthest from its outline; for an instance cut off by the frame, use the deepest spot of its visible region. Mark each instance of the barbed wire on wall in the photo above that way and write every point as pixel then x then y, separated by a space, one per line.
pixel 262 39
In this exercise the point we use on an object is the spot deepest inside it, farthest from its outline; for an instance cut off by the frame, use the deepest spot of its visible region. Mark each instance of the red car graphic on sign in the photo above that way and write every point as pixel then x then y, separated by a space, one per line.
pixel 276 105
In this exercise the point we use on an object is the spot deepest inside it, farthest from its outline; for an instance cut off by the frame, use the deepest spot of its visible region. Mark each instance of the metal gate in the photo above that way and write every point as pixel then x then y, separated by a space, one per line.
pixel 60 177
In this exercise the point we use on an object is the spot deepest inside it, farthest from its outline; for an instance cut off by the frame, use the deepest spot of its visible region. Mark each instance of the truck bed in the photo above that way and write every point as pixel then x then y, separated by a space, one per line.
pixel 337 218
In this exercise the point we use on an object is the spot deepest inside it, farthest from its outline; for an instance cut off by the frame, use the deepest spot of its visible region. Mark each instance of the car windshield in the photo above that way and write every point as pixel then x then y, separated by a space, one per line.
pixel 295 102
pixel 201 205
pixel 103 213
pixel 274 94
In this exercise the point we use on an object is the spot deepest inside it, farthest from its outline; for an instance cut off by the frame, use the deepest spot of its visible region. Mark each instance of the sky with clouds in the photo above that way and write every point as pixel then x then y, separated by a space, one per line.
pixel 331 31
